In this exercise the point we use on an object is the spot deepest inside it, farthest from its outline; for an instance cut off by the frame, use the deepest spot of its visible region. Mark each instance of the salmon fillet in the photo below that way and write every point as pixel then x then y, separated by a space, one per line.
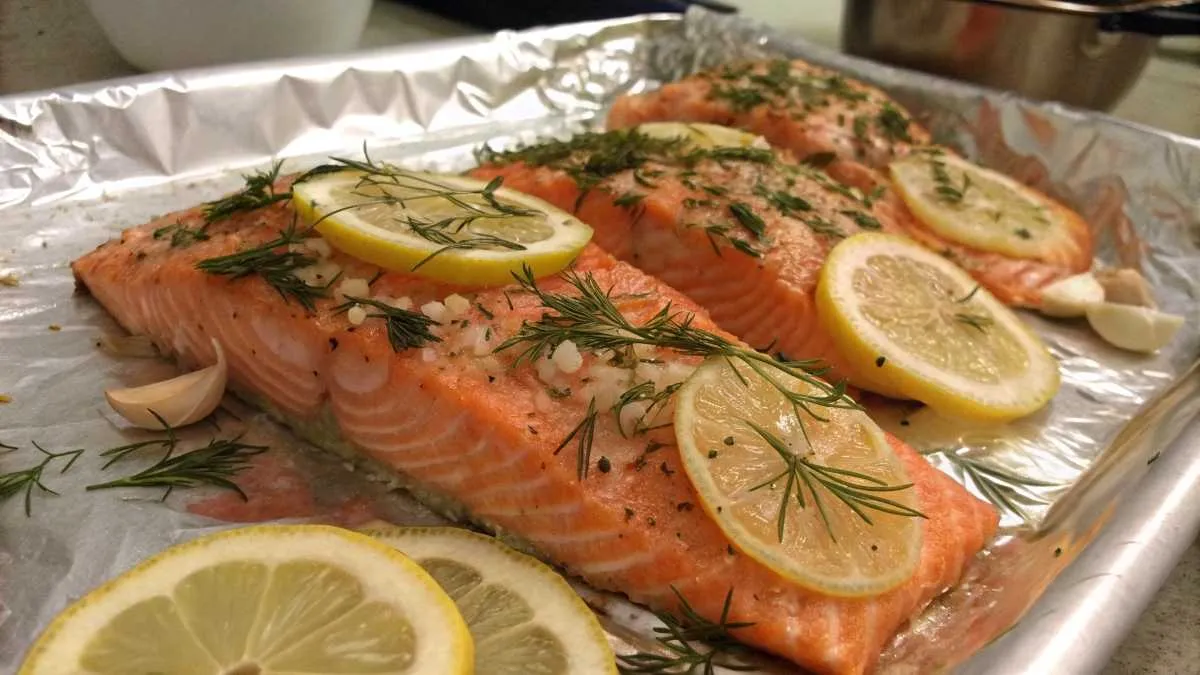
pixel 469 426
pixel 853 131
pixel 743 233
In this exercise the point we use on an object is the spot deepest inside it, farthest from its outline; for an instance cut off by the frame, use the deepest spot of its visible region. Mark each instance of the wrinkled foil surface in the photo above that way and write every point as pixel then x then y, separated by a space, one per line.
pixel 76 166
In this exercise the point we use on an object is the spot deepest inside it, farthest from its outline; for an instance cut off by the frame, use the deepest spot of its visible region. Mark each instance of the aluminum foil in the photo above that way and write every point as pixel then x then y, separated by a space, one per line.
pixel 78 165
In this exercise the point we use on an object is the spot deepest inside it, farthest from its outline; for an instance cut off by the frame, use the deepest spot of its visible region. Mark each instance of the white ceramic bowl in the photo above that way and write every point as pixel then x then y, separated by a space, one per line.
pixel 171 34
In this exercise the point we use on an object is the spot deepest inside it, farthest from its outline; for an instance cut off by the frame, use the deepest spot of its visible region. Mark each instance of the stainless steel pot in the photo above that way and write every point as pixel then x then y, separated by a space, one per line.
pixel 1086 54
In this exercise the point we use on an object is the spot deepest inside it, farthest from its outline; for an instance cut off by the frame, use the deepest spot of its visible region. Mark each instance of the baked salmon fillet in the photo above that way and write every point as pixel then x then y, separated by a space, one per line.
pixel 478 432
pixel 853 131
pixel 743 232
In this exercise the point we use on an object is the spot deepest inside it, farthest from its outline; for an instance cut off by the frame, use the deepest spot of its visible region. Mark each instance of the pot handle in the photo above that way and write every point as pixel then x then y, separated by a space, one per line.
pixel 1162 22
pixel 1086 8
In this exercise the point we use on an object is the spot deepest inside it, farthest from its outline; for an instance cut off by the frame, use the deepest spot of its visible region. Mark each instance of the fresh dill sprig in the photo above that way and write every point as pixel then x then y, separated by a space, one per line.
pixel 275 266
pixel 998 486
pixel 863 220
pixel 694 645
pixel 721 231
pixel 181 235
pixel 642 392
pixel 214 464
pixel 858 491
pixel 583 433
pixel 120 452
pixel 380 183
pixel 893 123
pixel 258 192
pixel 945 188
pixel 406 329
pixel 594 324
pixel 25 480
pixel 980 322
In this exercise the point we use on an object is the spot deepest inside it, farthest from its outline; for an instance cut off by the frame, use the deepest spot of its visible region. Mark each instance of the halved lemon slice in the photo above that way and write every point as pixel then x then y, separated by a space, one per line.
pixel 702 135
pixel 775 485
pixel 978 207
pixel 450 228
pixel 263 599
pixel 920 324
pixel 523 616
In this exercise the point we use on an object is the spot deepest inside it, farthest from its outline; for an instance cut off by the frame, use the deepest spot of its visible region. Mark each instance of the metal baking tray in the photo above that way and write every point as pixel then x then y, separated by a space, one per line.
pixel 1093 490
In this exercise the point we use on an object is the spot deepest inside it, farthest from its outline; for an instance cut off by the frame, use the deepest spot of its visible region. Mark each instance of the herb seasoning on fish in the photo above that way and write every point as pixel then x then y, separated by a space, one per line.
pixel 275 264
pixel 693 644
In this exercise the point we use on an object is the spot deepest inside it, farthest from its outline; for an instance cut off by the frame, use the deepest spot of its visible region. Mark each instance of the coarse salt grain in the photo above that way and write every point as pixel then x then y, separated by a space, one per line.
pixel 434 310
pixel 356 315
pixel 567 357
pixel 457 304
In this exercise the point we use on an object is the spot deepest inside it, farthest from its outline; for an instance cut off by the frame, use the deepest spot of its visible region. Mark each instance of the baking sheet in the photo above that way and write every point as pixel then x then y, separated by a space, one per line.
pixel 78 165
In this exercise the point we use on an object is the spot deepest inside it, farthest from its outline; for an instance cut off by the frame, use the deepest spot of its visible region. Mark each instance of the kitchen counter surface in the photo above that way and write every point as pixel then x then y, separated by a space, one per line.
pixel 46 44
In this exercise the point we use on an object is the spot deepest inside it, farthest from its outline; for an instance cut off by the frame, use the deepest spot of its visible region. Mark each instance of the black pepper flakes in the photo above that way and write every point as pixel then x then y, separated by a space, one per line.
pixel 604 465
pixel 728 440
pixel 651 521
pixel 629 514
pixel 684 506
pixel 880 361
pixel 667 471
pixel 532 429
pixel 491 379
pixel 1057 551
pixel 730 550
pixel 712 454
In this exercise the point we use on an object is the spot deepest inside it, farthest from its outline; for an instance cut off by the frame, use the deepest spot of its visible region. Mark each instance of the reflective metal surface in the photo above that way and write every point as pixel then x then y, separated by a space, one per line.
pixel 1050 56
pixel 77 166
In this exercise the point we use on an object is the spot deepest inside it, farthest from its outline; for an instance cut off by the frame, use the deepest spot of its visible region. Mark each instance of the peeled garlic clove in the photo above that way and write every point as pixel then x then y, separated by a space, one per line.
pixel 1138 329
pixel 1071 297
pixel 1126 287
pixel 179 401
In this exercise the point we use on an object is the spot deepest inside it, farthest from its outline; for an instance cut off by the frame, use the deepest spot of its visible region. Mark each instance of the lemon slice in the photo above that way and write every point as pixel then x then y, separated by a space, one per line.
pixel 918 323
pixel 702 135
pixel 524 617
pixel 450 228
pixel 263 599
pixel 978 207
pixel 725 424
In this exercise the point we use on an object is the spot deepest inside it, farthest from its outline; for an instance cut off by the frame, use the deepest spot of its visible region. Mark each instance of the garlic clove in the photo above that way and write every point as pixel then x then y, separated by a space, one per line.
pixel 1071 297
pixel 1138 329
pixel 180 401
pixel 1126 286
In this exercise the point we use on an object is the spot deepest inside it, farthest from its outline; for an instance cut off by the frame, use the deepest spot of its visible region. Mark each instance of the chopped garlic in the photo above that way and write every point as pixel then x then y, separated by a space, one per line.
pixel 546 370
pixel 631 415
pixel 319 246
pixel 354 286
pixel 356 315
pixel 457 305
pixel 428 355
pixel 402 303
pixel 567 357
pixel 434 310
